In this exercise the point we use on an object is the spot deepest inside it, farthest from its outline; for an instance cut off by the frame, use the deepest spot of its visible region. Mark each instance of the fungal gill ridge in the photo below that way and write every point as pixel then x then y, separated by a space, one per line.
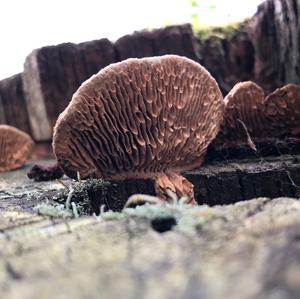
pixel 139 118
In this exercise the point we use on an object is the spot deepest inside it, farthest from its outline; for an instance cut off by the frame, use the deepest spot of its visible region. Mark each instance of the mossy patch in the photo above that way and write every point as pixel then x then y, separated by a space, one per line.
pixel 205 33
pixel 79 199
pixel 53 210
pixel 187 217
pixel 87 196
pixel 76 201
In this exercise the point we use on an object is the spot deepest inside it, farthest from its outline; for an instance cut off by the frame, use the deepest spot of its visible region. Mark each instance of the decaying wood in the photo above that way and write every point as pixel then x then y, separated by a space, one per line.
pixel 275 35
pixel 2 115
pixel 177 40
pixel 246 250
pixel 13 108
pixel 214 183
pixel 264 49
pixel 228 54
pixel 53 73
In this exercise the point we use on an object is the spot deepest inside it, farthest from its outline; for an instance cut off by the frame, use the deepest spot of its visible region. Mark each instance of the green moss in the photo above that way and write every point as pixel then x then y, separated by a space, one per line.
pixel 75 201
pixel 205 33
pixel 80 193
pixel 53 210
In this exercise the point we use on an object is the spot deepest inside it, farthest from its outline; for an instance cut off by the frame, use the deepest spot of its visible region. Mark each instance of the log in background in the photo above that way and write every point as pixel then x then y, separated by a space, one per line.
pixel 242 251
pixel 264 49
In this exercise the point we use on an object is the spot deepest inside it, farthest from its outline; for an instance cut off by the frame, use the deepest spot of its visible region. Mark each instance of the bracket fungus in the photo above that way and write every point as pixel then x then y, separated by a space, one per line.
pixel 251 114
pixel 15 148
pixel 242 114
pixel 282 111
pixel 141 118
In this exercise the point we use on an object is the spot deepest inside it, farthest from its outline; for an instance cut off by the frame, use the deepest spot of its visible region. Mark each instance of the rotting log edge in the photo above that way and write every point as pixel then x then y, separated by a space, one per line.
pixel 229 182
pixel 223 182
pixel 214 184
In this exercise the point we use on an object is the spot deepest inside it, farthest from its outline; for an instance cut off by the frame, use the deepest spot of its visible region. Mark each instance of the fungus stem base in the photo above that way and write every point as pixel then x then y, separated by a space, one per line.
pixel 177 184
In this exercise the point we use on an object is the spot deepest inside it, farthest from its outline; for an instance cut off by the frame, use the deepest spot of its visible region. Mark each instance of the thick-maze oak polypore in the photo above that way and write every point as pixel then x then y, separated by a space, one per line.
pixel 15 148
pixel 141 118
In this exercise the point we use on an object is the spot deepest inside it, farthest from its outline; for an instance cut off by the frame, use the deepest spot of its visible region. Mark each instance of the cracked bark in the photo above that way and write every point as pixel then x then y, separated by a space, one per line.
pixel 275 35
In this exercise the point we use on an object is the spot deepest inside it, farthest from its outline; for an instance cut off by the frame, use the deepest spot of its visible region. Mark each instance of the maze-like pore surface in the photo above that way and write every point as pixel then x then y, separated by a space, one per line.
pixel 139 117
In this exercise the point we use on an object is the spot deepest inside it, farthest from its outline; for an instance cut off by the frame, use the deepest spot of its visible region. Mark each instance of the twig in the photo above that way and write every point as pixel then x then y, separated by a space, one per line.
pixel 249 139
pixel 68 200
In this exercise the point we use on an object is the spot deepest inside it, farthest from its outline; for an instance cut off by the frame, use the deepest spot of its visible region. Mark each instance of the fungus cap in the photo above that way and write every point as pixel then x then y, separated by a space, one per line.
pixel 138 119
pixel 282 110
pixel 15 148
pixel 249 113
pixel 242 112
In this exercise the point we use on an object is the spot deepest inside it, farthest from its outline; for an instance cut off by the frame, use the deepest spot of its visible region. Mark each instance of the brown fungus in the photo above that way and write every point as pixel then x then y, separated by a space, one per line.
pixel 15 148
pixel 282 111
pixel 243 113
pixel 249 114
pixel 141 118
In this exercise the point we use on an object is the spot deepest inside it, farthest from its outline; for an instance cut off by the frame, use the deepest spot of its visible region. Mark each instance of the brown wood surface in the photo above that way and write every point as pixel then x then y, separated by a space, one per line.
pixel 249 249
pixel 214 183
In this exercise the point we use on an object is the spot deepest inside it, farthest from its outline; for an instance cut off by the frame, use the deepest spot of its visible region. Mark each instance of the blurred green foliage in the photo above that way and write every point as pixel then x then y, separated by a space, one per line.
pixel 196 6
pixel 204 32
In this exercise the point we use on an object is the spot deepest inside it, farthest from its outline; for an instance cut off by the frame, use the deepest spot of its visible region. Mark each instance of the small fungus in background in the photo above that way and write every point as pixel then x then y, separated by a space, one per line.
pixel 282 109
pixel 250 114
pixel 15 148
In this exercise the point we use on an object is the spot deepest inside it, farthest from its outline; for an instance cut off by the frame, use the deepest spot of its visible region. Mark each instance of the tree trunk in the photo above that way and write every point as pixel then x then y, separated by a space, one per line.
pixel 275 33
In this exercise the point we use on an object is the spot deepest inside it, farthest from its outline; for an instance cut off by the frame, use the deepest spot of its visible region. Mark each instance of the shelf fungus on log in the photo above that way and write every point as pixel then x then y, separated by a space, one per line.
pixel 243 113
pixel 15 148
pixel 139 119
pixel 282 111
pixel 251 117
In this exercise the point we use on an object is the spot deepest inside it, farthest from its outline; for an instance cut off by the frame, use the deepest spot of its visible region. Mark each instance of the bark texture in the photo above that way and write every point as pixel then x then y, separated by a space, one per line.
pixel 275 33
pixel 228 54
pixel 13 108
pixel 264 49
pixel 52 74
pixel 177 40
